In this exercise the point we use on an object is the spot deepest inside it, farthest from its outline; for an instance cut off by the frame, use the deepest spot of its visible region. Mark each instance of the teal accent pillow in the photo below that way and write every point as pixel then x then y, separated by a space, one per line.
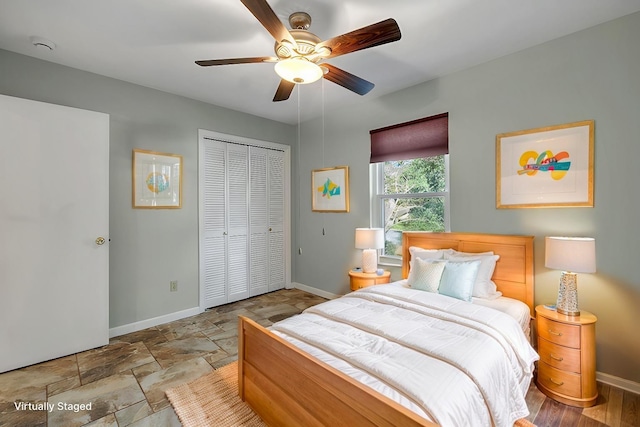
pixel 425 274
pixel 458 278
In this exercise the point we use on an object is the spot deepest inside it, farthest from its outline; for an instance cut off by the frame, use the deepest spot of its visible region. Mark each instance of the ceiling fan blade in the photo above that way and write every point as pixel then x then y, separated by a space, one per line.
pixel 269 20
pixel 386 31
pixel 347 80
pixel 284 90
pixel 210 62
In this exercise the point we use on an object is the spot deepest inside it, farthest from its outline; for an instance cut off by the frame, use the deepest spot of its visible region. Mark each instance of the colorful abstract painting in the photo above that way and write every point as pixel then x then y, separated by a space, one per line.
pixel 545 167
pixel 556 165
pixel 157 180
pixel 330 189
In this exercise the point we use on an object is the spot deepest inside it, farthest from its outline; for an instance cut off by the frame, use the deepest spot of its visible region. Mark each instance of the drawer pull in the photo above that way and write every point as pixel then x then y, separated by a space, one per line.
pixel 558 334
pixel 555 382
pixel 559 359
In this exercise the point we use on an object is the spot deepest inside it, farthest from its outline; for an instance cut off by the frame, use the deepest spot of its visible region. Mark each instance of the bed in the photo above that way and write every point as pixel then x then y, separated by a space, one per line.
pixel 290 382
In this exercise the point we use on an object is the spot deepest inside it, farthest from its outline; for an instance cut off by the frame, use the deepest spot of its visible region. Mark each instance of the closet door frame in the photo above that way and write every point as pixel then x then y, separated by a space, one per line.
pixel 203 136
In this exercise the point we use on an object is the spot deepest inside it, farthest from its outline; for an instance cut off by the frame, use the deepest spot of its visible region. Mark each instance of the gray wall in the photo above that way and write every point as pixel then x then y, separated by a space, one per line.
pixel 592 74
pixel 148 248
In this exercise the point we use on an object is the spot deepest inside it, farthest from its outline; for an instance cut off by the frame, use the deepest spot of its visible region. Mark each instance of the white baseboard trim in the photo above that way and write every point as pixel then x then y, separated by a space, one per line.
pixel 315 291
pixel 618 382
pixel 154 321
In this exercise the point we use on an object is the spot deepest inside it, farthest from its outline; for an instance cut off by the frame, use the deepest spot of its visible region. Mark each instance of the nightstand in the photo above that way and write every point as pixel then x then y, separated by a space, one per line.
pixel 567 349
pixel 361 280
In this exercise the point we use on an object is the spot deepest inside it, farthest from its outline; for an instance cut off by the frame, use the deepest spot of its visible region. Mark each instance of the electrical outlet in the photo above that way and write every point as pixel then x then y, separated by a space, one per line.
pixel 173 286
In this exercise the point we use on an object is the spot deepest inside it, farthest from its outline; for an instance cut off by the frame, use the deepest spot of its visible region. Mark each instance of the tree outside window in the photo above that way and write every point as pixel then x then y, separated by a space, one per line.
pixel 412 195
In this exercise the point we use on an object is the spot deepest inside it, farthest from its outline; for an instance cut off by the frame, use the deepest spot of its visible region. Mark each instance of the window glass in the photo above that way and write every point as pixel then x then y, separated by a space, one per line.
pixel 410 195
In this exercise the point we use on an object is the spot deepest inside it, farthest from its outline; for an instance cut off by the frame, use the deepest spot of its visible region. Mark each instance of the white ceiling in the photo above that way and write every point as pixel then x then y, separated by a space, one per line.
pixel 154 43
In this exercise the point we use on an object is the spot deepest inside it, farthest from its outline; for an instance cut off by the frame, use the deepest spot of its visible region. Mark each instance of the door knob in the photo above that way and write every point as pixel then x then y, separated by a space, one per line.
pixel 100 241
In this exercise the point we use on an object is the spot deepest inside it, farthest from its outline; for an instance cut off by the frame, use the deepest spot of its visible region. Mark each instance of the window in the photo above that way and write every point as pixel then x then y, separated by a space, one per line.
pixel 409 194
pixel 410 180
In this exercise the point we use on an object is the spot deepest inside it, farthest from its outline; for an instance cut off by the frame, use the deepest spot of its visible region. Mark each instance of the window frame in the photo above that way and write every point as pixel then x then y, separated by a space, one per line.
pixel 377 198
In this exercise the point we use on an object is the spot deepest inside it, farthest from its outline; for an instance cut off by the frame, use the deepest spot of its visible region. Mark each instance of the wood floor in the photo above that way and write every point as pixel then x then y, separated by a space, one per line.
pixel 614 407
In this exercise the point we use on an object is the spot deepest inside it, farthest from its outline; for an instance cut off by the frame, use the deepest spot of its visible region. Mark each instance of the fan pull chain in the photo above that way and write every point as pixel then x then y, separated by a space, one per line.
pixel 323 160
pixel 298 166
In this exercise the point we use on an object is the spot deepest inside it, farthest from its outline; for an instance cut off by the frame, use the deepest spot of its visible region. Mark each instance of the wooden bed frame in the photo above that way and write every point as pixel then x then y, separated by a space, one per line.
pixel 288 387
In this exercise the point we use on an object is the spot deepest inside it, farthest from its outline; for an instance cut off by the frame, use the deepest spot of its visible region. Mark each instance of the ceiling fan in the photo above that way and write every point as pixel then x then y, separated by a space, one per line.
pixel 300 53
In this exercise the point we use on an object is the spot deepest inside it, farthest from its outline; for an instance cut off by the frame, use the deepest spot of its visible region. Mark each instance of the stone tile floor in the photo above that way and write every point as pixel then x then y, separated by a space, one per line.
pixel 125 381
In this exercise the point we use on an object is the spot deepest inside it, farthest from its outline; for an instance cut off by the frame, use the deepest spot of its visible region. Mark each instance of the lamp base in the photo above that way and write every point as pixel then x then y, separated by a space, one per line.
pixel 369 260
pixel 568 294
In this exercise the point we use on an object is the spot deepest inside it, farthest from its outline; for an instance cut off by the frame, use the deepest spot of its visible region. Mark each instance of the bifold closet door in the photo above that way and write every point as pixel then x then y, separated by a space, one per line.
pixel 224 229
pixel 258 221
pixel 237 222
pixel 266 215
pixel 243 220
pixel 276 251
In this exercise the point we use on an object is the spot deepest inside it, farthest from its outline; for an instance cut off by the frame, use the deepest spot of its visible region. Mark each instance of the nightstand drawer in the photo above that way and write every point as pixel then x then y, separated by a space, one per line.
pixel 361 280
pixel 562 382
pixel 359 283
pixel 557 356
pixel 559 333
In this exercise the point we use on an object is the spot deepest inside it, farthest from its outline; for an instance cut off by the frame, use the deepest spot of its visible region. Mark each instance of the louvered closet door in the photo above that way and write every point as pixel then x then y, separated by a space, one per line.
pixel 213 241
pixel 276 215
pixel 243 193
pixel 259 267
pixel 237 220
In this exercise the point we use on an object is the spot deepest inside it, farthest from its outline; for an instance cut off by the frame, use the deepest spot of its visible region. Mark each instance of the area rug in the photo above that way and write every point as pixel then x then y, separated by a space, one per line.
pixel 212 401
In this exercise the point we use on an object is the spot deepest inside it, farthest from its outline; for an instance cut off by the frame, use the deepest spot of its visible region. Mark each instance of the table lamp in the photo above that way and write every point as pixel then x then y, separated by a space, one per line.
pixel 370 240
pixel 571 255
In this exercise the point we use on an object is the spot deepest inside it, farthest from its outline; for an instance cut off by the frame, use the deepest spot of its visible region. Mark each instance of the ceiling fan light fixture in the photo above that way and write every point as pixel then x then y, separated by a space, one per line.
pixel 298 70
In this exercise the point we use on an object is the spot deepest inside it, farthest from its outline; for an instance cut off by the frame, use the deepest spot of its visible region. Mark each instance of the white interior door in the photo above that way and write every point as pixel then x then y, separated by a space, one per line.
pixel 54 273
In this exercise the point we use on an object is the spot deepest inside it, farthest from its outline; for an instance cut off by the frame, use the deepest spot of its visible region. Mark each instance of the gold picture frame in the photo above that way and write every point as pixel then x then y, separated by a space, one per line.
pixel 330 189
pixel 545 167
pixel 156 180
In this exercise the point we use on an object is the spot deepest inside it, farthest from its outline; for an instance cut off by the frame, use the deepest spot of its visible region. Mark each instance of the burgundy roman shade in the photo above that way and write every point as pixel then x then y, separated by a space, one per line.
pixel 425 137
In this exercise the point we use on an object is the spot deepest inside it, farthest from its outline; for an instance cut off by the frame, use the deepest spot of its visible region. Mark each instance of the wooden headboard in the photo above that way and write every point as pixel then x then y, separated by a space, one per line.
pixel 514 270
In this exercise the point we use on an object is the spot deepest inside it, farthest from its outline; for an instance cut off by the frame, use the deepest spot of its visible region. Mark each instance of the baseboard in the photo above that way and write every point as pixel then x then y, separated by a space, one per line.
pixel 618 382
pixel 315 291
pixel 154 321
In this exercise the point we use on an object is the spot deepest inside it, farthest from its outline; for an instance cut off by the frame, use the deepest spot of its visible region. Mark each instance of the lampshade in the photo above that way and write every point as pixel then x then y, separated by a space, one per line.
pixel 574 254
pixel 369 238
pixel 298 70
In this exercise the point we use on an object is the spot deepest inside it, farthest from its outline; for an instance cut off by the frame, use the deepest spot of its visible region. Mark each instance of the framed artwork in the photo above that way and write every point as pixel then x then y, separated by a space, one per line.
pixel 157 180
pixel 330 189
pixel 545 167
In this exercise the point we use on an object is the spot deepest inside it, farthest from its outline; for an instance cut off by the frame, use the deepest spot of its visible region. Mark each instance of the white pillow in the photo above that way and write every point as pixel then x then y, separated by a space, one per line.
pixel 458 253
pixel 483 287
pixel 425 274
pixel 417 252
pixel 458 279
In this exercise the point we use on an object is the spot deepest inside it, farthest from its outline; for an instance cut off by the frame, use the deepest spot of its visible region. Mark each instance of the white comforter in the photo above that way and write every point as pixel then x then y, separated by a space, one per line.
pixel 455 363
